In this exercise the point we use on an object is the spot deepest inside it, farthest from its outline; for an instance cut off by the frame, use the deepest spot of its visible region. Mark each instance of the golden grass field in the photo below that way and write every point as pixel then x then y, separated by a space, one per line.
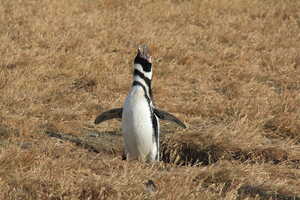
pixel 230 69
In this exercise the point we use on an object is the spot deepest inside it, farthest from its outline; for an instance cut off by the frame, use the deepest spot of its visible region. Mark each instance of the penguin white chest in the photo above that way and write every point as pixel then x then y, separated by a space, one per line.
pixel 137 127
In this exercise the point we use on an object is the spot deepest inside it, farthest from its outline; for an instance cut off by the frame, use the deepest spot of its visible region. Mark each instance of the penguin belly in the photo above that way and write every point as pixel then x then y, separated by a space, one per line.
pixel 137 127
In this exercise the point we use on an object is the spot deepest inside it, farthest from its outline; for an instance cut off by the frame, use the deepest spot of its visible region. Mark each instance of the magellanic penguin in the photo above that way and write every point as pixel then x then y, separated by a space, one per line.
pixel 140 119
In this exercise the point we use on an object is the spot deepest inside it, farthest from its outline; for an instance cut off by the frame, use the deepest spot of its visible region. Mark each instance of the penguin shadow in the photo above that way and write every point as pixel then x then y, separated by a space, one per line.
pixel 186 149
pixel 111 142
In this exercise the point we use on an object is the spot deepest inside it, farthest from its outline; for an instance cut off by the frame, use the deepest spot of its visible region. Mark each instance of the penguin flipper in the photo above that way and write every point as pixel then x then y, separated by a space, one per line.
pixel 163 115
pixel 110 114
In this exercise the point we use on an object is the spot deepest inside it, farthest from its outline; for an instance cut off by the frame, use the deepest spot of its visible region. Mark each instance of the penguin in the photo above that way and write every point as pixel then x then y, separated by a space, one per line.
pixel 140 118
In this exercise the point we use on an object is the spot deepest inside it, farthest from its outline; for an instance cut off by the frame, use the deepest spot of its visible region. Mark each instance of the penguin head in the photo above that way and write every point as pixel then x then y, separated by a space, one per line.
pixel 142 61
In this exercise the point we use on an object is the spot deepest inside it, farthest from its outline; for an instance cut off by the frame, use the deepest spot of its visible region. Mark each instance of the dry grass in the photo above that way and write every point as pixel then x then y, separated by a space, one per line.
pixel 229 69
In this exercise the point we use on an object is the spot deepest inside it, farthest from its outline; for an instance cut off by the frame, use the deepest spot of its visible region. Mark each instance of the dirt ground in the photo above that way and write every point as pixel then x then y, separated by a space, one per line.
pixel 230 69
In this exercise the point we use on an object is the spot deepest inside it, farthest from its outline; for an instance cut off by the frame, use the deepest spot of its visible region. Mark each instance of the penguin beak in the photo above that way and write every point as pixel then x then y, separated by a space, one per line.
pixel 143 52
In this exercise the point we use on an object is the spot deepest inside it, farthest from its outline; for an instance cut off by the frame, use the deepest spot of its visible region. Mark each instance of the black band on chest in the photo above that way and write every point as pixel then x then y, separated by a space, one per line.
pixel 144 88
pixel 140 74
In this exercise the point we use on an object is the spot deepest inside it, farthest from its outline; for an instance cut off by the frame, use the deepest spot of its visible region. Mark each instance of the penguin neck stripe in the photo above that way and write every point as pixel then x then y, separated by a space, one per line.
pixel 140 74
pixel 135 83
